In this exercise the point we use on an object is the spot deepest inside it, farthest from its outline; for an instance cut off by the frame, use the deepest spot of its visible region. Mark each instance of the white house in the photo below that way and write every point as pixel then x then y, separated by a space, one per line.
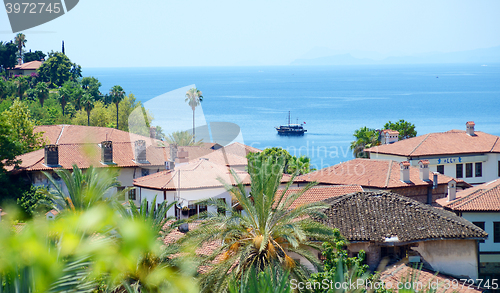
pixel 481 206
pixel 470 155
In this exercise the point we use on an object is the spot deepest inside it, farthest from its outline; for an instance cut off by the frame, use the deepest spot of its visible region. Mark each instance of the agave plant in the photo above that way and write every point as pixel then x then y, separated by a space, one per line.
pixel 264 234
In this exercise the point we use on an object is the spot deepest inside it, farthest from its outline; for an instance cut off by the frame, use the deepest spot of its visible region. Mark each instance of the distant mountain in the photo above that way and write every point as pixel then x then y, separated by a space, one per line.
pixel 484 56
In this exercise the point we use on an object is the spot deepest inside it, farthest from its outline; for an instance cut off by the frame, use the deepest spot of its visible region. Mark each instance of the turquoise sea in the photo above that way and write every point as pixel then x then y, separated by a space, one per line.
pixel 332 100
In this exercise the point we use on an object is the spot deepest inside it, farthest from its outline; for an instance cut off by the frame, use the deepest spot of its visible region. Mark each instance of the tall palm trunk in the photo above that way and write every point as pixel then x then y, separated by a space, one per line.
pixel 88 118
pixel 193 125
pixel 116 115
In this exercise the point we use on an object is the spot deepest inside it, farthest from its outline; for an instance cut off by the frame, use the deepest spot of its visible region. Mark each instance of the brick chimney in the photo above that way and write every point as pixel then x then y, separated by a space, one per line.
pixel 423 167
pixel 52 155
pixel 140 150
pixel 173 152
pixel 19 61
pixel 470 128
pixel 405 171
pixel 152 132
pixel 452 190
pixel 183 156
pixel 389 136
pixel 107 152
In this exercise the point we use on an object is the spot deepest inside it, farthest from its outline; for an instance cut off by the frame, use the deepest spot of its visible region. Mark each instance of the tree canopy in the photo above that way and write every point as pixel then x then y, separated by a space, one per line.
pixel 8 51
pixel 33 56
pixel 405 128
pixel 58 69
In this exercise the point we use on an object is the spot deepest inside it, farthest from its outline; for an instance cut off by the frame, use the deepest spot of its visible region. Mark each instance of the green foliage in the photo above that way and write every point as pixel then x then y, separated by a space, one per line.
pixel 20 41
pixel 8 52
pixel 79 249
pixel 183 138
pixel 41 92
pixel 406 129
pixel 91 85
pixel 293 164
pixel 193 97
pixel 300 165
pixel 58 69
pixel 85 189
pixel 34 201
pixel 263 234
pixel 364 138
pixel 155 217
pixel 18 119
pixel 33 56
pixel 116 94
pixel 271 280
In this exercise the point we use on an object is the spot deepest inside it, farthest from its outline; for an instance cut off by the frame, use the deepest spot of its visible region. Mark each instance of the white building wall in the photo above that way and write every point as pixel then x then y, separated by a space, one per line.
pixel 488 219
pixel 457 258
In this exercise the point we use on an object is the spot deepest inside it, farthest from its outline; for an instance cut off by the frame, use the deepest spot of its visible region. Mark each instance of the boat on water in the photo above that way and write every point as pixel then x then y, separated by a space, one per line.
pixel 291 129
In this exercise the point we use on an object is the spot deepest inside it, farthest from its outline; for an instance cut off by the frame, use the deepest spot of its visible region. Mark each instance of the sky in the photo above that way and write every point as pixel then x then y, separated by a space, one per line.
pixel 151 33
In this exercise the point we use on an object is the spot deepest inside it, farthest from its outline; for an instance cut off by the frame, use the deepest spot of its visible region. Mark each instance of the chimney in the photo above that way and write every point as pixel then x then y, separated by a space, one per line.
pixel 42 60
pixel 452 190
pixel 470 128
pixel 107 152
pixel 169 165
pixel 389 136
pixel 405 171
pixel 183 156
pixel 435 180
pixel 173 152
pixel 19 61
pixel 52 155
pixel 152 132
pixel 140 150
pixel 423 166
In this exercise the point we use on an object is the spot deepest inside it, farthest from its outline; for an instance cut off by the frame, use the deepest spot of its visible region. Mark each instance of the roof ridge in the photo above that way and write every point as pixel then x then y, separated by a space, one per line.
pixel 496 140
pixel 389 171
pixel 419 144
pixel 60 134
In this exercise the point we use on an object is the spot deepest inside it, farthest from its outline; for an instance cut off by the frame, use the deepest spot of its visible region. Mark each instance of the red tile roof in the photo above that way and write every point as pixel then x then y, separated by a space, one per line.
pixel 196 174
pixel 224 158
pixel 370 173
pixel 33 65
pixel 424 278
pixel 320 193
pixel 480 198
pixel 441 143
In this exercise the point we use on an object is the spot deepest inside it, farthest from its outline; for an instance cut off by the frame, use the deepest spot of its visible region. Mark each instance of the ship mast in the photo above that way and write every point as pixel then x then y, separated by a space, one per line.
pixel 288 117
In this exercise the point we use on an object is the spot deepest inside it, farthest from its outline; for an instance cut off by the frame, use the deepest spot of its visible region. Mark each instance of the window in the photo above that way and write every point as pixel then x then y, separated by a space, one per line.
pixel 480 225
pixel 479 169
pixel 498 168
pixel 145 172
pixel 496 232
pixel 440 169
pixel 468 170
pixel 131 194
pixel 460 171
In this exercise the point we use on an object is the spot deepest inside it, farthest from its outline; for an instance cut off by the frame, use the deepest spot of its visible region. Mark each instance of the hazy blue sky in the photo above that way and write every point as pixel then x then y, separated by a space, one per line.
pixel 124 33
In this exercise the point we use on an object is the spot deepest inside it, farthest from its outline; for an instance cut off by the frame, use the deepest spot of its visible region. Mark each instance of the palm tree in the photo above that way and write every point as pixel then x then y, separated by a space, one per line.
pixel 183 138
pixel 20 41
pixel 301 165
pixel 262 235
pixel 63 97
pixel 41 92
pixel 22 85
pixel 194 98
pixel 88 104
pixel 365 138
pixel 155 217
pixel 85 189
pixel 117 94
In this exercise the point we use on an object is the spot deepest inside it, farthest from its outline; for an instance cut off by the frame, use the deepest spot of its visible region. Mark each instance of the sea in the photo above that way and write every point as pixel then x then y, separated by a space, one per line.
pixel 331 101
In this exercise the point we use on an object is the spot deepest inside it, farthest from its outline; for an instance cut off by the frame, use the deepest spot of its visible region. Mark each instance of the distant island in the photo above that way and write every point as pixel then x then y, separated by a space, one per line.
pixel 483 56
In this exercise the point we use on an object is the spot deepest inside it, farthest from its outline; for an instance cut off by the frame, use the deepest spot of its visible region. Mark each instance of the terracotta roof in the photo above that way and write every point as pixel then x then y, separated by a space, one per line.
pixel 85 155
pixel 33 65
pixel 371 173
pixel 195 174
pixel 320 193
pixel 222 157
pixel 380 216
pixel 390 131
pixel 441 143
pixel 484 197
pixel 424 278
pixel 240 149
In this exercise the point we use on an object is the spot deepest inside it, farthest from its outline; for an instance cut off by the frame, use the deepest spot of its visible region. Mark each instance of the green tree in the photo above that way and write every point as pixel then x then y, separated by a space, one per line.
pixel 33 56
pixel 41 92
pixel 183 138
pixel 85 189
pixel 271 280
pixel 58 69
pixel 34 201
pixel 265 233
pixel 88 105
pixel 364 138
pixel 301 165
pixel 117 94
pixel 64 94
pixel 194 98
pixel 22 85
pixel 91 85
pixel 406 129
pixel 20 41
pixel 8 51
pixel 19 120
pixel 100 115
pixel 156 217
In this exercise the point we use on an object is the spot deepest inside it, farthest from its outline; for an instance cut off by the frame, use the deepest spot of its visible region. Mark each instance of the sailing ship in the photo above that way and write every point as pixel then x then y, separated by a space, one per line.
pixel 291 129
